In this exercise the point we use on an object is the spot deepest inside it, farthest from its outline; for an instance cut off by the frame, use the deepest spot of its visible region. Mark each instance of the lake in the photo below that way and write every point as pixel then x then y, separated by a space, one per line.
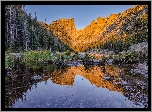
pixel 43 85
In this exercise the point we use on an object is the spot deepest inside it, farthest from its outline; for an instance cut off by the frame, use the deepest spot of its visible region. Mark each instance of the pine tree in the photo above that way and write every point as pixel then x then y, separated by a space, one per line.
pixel 25 32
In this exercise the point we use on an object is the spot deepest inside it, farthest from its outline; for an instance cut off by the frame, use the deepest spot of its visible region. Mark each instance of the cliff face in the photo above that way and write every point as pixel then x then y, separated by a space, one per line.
pixel 64 29
pixel 57 42
pixel 91 34
pixel 99 31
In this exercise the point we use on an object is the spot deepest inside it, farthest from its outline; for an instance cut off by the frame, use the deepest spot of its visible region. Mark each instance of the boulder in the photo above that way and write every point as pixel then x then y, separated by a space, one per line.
pixel 110 61
pixel 140 47
pixel 81 55
pixel 16 55
pixel 123 52
pixel 110 52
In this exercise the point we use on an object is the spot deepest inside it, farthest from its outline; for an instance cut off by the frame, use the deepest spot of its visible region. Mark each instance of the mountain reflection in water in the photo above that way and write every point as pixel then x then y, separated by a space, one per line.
pixel 94 75
pixel 21 79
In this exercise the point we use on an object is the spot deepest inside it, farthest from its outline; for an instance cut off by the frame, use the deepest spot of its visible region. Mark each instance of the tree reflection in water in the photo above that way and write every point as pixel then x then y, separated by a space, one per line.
pixel 23 76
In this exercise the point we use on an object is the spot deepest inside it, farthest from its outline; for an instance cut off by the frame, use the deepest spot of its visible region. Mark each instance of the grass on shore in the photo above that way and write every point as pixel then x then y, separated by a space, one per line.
pixel 62 57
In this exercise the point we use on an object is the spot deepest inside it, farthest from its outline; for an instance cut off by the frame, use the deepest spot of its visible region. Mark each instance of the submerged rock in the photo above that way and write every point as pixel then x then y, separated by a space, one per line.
pixel 36 77
pixel 73 64
pixel 141 68
pixel 110 52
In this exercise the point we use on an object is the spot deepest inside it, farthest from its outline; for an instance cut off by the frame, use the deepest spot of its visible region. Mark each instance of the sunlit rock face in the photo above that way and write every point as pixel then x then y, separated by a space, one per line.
pixel 99 31
pixel 46 26
pixel 64 29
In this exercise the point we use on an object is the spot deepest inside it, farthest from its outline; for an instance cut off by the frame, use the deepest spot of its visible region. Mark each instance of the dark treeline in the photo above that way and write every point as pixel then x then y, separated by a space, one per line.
pixel 23 32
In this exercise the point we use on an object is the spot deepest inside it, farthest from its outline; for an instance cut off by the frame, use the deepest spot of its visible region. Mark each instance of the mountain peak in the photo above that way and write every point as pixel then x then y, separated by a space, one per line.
pixel 98 31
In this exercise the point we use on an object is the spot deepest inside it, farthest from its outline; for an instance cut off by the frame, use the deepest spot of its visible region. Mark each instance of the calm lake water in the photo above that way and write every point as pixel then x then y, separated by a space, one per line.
pixel 37 85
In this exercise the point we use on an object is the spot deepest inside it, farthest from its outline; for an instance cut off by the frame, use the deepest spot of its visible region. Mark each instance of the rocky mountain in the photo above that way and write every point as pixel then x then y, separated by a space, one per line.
pixel 65 30
pixel 130 24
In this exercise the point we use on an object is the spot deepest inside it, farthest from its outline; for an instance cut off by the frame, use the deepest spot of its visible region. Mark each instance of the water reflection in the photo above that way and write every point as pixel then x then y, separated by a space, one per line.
pixel 22 77
pixel 94 75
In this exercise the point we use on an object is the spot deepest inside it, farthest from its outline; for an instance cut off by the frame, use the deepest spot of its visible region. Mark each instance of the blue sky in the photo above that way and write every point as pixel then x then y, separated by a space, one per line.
pixel 82 14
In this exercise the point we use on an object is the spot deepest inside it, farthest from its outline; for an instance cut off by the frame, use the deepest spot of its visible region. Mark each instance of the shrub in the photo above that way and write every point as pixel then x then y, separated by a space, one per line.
pixel 116 57
pixel 75 56
pixel 93 57
pixel 7 61
pixel 129 57
pixel 120 56
pixel 67 52
pixel 110 57
pixel 35 55
pixel 104 59
pixel 86 57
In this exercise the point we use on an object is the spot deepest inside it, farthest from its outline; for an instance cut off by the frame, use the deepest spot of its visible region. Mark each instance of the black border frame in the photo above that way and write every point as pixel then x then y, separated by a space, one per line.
pixel 3 3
